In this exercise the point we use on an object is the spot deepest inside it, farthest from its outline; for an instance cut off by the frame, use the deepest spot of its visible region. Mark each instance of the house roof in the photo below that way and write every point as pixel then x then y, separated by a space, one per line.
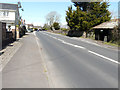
pixel 8 6
pixel 107 25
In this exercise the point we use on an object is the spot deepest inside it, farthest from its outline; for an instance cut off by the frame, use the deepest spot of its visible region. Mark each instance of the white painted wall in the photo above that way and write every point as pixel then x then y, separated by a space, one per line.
pixel 7 15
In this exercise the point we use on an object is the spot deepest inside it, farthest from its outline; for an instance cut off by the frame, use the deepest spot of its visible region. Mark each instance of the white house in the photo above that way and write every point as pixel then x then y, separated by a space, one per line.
pixel 9 14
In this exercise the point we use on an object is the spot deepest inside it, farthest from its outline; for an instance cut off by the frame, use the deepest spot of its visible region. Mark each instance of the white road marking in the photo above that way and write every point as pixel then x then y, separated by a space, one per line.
pixel 104 57
pixel 85 41
pixel 67 42
pixel 109 59
pixel 73 45
pixel 77 39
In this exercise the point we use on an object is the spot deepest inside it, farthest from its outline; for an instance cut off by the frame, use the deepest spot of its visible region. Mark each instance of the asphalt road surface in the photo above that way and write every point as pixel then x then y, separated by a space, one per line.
pixel 73 63
pixel 47 60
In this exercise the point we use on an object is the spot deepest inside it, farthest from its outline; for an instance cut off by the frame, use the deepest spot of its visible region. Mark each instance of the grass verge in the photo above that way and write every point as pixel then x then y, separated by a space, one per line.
pixel 112 44
pixel 93 38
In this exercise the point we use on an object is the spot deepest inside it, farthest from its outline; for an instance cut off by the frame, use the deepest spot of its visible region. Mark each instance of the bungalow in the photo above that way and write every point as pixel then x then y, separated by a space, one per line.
pixel 104 31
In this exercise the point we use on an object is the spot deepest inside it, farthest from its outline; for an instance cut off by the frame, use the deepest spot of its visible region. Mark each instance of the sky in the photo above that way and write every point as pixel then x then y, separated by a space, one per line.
pixel 39 10
pixel 36 12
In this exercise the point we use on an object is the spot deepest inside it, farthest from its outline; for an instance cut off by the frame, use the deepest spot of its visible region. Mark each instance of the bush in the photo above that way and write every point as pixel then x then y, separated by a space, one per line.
pixel 56 25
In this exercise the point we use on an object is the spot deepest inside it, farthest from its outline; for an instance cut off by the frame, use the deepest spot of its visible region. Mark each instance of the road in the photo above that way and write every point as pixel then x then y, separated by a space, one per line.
pixel 47 60
pixel 73 63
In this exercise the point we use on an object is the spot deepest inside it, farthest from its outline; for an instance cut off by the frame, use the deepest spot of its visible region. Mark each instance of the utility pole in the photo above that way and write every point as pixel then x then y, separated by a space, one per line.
pixel 17 35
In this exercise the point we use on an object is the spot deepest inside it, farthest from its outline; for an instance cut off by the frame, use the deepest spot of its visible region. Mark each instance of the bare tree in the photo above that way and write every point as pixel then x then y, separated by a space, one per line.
pixel 52 17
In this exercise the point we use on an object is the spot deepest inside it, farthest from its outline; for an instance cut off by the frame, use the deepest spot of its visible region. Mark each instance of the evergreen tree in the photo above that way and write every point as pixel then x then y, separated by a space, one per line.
pixel 69 18
pixel 82 5
pixel 86 17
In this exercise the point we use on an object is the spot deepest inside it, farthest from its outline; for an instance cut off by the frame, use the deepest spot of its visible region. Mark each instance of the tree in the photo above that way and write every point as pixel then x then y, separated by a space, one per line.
pixel 76 19
pixel 56 25
pixel 52 17
pixel 46 27
pixel 87 15
pixel 83 6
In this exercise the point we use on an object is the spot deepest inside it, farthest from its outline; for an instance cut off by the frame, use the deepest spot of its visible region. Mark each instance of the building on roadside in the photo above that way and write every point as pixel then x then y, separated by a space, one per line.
pixel 104 30
pixel 9 14
pixel 119 15
pixel 0 35
pixel 29 26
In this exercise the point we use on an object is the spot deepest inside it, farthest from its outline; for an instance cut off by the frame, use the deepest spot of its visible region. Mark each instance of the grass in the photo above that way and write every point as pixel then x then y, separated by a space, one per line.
pixel 112 44
pixel 108 43
pixel 62 34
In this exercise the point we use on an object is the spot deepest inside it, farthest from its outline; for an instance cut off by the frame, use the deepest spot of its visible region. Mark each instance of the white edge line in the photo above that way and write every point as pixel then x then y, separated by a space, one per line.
pixel 85 48
pixel 104 57
pixel 66 42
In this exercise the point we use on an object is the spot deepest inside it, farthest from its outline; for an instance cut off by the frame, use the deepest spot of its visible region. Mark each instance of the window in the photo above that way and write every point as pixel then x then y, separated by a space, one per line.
pixel 4 13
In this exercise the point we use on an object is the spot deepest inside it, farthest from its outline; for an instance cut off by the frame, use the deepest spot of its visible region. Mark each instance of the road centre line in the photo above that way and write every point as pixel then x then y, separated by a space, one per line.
pixel 77 46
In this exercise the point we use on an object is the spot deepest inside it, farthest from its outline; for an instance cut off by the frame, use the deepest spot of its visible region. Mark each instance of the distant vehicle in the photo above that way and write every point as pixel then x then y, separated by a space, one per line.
pixel 29 30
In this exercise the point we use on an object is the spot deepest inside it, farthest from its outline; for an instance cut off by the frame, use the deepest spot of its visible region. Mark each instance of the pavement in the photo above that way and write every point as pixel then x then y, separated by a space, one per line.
pixel 78 64
pixel 8 52
pixel 25 68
